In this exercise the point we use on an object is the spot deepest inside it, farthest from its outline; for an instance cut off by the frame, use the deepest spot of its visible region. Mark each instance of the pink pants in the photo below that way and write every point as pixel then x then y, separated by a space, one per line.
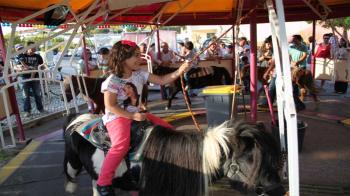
pixel 119 132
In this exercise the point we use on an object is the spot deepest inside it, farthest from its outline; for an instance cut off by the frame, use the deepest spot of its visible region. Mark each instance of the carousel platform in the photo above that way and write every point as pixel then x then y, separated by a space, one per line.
pixel 324 160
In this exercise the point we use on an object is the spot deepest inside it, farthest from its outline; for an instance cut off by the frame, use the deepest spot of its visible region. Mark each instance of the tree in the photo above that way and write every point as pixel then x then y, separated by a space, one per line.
pixel 131 28
pixel 17 39
pixel 171 28
pixel 335 23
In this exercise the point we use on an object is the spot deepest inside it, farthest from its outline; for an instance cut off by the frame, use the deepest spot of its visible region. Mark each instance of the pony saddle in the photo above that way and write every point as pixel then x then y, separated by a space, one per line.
pixel 96 133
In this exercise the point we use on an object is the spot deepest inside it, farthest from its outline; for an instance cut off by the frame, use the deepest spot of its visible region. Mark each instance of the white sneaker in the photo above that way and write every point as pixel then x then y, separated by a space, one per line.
pixel 26 114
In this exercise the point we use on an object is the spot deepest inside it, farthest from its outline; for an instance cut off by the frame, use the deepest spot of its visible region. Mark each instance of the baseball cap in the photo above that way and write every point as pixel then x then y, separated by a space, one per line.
pixel 18 46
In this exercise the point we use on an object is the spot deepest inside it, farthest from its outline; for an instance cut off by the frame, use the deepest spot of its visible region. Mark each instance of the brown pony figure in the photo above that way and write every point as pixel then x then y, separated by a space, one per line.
pixel 302 77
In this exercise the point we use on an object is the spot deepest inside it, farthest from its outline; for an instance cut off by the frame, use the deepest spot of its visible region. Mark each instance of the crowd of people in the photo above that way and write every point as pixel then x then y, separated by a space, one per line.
pixel 300 54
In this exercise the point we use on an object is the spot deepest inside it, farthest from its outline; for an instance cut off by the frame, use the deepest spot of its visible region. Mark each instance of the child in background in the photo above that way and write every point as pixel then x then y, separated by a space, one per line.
pixel 102 61
pixel 189 54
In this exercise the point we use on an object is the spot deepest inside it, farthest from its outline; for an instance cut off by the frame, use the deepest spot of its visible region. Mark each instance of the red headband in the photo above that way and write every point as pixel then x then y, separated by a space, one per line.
pixel 129 43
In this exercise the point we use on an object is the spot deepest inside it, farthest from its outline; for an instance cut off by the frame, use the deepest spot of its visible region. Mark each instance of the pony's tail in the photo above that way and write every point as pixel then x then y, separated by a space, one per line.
pixel 214 146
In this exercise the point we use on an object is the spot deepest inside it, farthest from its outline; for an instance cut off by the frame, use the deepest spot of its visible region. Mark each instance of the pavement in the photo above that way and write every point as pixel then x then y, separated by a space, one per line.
pixel 324 161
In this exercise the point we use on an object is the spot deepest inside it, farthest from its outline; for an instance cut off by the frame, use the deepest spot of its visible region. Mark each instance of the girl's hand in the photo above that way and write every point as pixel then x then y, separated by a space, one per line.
pixel 139 116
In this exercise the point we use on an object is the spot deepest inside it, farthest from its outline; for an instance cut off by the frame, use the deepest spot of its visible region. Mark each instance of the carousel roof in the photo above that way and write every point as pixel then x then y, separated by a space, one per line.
pixel 196 12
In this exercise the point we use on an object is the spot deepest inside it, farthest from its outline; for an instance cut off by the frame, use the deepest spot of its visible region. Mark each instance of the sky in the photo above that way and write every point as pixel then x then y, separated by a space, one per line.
pixel 263 29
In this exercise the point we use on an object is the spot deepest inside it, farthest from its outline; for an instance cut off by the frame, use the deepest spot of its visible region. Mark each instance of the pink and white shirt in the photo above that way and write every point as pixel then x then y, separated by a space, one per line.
pixel 115 85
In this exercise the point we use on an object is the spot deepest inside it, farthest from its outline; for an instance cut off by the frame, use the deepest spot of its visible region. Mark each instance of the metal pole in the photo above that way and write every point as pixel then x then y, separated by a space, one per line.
pixel 11 91
pixel 313 48
pixel 253 72
pixel 160 58
pixel 233 68
pixel 86 60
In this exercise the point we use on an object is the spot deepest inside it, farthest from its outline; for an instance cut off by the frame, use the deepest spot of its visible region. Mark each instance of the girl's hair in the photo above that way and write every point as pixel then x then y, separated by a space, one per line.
pixel 127 101
pixel 189 45
pixel 120 51
pixel 103 51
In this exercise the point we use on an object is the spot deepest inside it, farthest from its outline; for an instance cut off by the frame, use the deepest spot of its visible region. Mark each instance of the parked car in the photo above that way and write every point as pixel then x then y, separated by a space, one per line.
pixel 226 41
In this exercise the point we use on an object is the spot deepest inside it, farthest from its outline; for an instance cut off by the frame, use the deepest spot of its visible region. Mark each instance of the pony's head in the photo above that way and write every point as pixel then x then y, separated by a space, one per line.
pixel 253 158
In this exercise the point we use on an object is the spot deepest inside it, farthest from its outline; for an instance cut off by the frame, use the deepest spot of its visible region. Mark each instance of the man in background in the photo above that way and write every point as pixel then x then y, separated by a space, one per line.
pixel 30 61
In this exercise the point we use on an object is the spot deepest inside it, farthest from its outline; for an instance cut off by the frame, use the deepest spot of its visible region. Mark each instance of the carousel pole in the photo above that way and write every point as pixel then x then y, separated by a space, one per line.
pixel 11 91
pixel 233 66
pixel 253 72
pixel 162 88
pixel 313 48
pixel 285 102
pixel 86 60
pixel 91 105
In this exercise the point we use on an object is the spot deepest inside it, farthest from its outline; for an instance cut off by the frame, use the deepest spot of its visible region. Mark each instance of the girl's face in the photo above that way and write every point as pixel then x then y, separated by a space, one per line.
pixel 129 92
pixel 268 46
pixel 133 63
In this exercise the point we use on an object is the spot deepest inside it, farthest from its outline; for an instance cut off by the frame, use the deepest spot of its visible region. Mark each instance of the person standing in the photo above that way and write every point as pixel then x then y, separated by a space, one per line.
pixel 102 61
pixel 91 62
pixel 189 55
pixel 342 56
pixel 30 61
pixel 324 50
pixel 298 52
pixel 167 58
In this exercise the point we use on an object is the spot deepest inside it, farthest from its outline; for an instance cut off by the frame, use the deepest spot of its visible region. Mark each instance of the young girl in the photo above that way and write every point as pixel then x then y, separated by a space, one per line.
pixel 124 64
pixel 102 61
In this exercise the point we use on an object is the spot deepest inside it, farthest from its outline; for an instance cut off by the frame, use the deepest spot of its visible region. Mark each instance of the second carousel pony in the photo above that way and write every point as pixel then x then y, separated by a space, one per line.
pixel 202 77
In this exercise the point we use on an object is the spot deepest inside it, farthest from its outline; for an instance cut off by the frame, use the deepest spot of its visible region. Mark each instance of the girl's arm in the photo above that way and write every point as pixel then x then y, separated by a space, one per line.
pixel 110 103
pixel 166 79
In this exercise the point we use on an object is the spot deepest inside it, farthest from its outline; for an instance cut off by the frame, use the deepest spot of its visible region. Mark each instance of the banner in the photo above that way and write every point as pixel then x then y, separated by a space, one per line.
pixel 324 69
pixel 342 70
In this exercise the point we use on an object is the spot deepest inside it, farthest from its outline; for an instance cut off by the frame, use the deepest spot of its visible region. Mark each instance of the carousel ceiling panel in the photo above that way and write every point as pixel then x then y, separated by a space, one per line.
pixel 40 4
pixel 115 5
pixel 201 6
pixel 196 12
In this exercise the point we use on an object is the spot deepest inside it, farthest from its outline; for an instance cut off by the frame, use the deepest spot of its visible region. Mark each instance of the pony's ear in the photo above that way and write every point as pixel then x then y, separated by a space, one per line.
pixel 244 136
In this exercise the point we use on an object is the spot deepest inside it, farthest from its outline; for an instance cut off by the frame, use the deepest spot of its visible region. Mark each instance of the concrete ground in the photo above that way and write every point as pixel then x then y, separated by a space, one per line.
pixel 324 160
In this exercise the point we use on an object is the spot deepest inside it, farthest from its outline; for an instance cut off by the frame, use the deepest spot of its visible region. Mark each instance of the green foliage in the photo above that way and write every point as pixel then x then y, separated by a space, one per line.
pixel 343 23
pixel 100 31
pixel 337 22
pixel 172 28
pixel 131 29
pixel 17 39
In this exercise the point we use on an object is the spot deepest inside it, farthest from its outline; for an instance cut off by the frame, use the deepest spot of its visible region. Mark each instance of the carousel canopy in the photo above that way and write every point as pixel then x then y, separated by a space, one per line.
pixel 195 12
